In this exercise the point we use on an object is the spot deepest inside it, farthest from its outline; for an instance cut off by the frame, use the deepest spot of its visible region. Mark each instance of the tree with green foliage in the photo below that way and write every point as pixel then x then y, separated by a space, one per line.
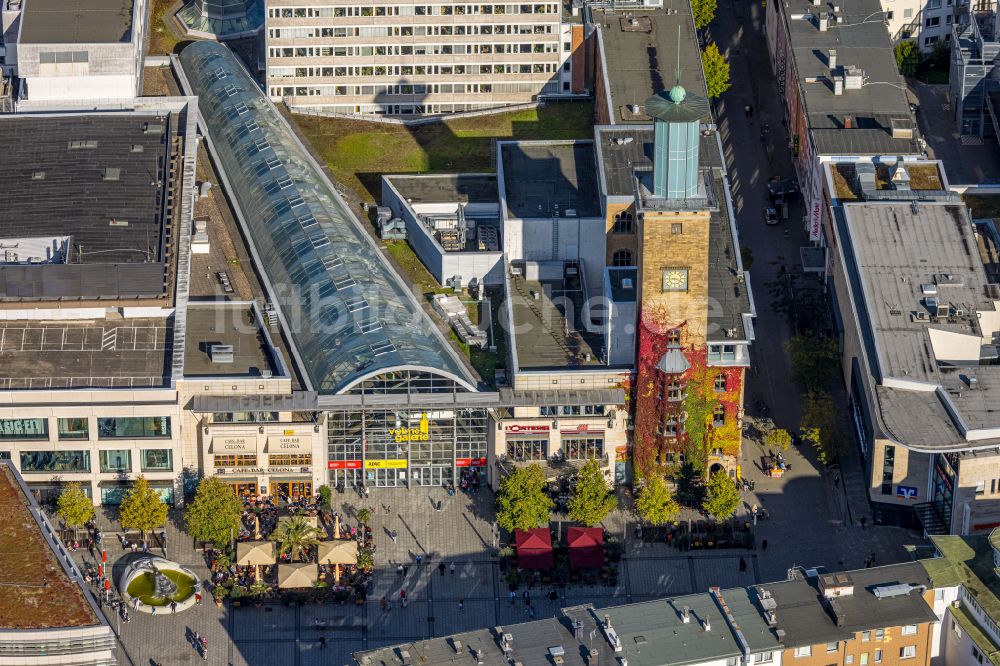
pixel 366 560
pixel 690 486
pixel 295 535
pixel 815 360
pixel 364 516
pixel 716 71
pixel 704 12
pixel 325 497
pixel 819 426
pixel 142 509
pixel 591 500
pixel 214 514
pixel 778 440
pixel 655 504
pixel 907 57
pixel 521 501
pixel 74 507
pixel 722 497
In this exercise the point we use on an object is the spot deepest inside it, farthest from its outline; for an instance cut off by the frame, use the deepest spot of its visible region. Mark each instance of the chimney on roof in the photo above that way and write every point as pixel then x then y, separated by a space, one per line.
pixel 685 615
pixel 838 84
pixel 707 625
pixel 824 21
pixel 848 121
pixel 832 59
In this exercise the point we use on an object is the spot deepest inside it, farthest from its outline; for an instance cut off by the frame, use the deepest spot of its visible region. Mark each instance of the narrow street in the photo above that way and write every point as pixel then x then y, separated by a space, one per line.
pixel 815 513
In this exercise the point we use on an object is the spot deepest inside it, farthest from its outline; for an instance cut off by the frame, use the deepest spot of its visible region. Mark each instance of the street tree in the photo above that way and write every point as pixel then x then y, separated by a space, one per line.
pixel 716 71
pixel 655 504
pixel 294 536
pixel 74 507
pixel 690 486
pixel 214 514
pixel 907 57
pixel 819 426
pixel 142 509
pixel 364 516
pixel 722 497
pixel 778 440
pixel 521 501
pixel 815 360
pixel 591 500
pixel 704 12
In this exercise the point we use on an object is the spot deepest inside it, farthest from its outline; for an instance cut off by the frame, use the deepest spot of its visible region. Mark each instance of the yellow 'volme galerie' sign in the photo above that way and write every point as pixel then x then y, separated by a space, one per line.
pixel 418 434
pixel 385 464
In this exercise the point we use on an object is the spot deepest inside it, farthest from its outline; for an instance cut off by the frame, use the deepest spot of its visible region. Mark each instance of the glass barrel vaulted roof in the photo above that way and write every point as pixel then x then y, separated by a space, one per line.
pixel 347 312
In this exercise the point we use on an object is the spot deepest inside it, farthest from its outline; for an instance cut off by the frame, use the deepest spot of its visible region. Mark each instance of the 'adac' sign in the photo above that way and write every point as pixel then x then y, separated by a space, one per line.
pixel 418 434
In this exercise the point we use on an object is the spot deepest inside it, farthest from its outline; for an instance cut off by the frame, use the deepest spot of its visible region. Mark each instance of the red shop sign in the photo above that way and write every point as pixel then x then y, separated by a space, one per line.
pixel 343 464
pixel 470 462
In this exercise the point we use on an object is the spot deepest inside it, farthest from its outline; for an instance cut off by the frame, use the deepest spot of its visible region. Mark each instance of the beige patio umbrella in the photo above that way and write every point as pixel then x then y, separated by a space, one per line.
pixel 299 575
pixel 256 527
pixel 254 553
pixel 338 552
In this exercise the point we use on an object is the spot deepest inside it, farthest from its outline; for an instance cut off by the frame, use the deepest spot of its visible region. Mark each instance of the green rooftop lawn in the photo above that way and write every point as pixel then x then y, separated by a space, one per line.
pixel 162 40
pixel 983 205
pixel 360 152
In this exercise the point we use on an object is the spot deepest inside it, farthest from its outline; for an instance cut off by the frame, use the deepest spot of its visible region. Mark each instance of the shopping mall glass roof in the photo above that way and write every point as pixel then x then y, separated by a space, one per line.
pixel 347 312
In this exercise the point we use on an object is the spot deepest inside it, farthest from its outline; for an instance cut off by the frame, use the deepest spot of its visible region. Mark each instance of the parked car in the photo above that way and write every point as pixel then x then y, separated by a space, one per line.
pixel 770 216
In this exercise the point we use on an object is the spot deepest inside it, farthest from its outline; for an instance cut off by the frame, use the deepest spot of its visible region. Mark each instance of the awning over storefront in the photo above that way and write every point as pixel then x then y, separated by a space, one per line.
pixel 586 547
pixel 254 553
pixel 534 548
pixel 297 575
pixel 341 551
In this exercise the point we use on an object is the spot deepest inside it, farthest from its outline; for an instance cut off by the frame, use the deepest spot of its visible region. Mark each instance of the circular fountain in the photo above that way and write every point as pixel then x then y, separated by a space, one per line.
pixel 155 582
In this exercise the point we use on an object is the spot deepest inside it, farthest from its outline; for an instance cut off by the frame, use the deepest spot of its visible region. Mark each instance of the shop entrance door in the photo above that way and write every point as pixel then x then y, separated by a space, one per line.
pixel 348 477
pixel 291 490
pixel 244 488
pixel 383 478
pixel 431 476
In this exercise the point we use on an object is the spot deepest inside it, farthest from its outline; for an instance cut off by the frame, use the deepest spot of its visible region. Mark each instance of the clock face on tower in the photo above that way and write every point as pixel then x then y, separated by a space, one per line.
pixel 675 279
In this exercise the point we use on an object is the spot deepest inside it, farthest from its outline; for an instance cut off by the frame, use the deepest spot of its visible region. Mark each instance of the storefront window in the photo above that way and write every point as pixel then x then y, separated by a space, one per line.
pixel 244 417
pixel 156 460
pixel 231 460
pixel 583 448
pixel 54 461
pixel 290 459
pixel 24 429
pixel 113 494
pixel 116 460
pixel 528 449
pixel 73 429
pixel 134 427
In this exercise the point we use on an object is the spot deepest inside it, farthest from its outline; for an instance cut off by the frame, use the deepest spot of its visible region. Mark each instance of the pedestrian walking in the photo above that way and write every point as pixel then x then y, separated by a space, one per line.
pixel 527 597
pixel 836 481
pixel 513 596
pixel 461 604
pixel 419 558
pixel 743 565
pixel 173 607
pixel 531 612
pixel 388 509
pixel 763 544
pixel 864 520
pixel 400 570
pixel 322 642
pixel 382 604
pixel 402 595
pixel 451 567
pixel 406 570
pixel 393 536
pixel 441 570
pixel 746 110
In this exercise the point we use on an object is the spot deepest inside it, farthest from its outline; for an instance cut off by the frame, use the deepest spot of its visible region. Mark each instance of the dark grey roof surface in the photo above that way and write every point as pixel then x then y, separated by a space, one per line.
pixel 233 324
pixel 620 293
pixel 108 353
pixel 860 141
pixel 807 621
pixel 542 179
pixel 543 337
pixel 892 249
pixel 728 297
pixel 640 50
pixel 861 40
pixel 621 159
pixel 652 633
pixel 463 188
pixel 76 21
pixel 48 188
pixel 81 281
